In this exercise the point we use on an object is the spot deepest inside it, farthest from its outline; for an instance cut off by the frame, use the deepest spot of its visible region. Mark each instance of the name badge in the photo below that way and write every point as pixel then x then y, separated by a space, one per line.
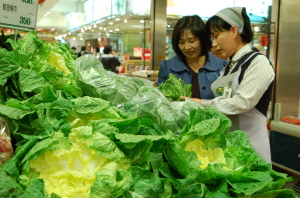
pixel 227 92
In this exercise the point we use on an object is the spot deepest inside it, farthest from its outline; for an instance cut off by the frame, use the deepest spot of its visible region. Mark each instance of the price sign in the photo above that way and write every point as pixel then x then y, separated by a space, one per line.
pixel 18 14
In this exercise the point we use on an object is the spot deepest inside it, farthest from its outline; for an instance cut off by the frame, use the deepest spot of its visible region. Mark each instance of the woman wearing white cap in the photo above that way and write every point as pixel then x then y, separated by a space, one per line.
pixel 243 90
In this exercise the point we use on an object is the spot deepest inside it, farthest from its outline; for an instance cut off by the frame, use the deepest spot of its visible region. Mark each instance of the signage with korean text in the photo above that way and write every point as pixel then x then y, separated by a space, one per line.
pixel 18 13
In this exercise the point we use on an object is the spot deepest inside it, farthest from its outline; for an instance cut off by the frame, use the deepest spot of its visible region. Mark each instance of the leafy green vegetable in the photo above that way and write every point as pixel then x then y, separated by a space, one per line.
pixel 97 82
pixel 119 137
pixel 4 38
pixel 174 87
pixel 68 167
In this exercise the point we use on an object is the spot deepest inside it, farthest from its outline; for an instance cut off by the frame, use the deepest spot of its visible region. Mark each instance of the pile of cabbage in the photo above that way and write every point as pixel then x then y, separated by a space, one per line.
pixel 73 138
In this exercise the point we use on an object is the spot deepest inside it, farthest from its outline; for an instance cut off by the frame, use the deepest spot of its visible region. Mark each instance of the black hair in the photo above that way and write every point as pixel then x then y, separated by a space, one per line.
pixel 255 49
pixel 107 49
pixel 74 48
pixel 216 23
pixel 197 27
pixel 83 48
pixel 97 49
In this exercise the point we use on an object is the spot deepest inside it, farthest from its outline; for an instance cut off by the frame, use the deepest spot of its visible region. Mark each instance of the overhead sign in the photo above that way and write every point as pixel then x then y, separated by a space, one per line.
pixel 18 14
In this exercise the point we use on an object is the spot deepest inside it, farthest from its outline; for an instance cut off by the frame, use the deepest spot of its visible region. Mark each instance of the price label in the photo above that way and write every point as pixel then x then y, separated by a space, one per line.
pixel 18 13
pixel 27 1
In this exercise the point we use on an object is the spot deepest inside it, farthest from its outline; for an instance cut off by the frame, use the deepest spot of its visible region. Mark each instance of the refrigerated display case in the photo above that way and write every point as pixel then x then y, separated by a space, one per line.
pixel 285 125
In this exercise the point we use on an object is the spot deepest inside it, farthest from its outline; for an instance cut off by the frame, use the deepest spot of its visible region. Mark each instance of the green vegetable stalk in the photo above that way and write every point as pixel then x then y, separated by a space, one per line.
pixel 174 87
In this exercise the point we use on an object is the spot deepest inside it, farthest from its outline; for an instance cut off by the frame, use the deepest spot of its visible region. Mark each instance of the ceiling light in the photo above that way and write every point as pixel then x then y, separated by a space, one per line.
pixel 142 21
pixel 256 29
pixel 169 26
pixel 69 33
pixel 48 12
pixel 81 38
pixel 117 29
pixel 111 23
pixel 95 25
pixel 99 39
pixel 110 31
pixel 104 29
pixel 100 28
pixel 117 19
pixel 82 30
pixel 125 21
pixel 74 38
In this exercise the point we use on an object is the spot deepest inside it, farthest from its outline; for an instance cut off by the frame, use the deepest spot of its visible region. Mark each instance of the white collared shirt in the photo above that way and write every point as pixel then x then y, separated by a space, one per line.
pixel 257 78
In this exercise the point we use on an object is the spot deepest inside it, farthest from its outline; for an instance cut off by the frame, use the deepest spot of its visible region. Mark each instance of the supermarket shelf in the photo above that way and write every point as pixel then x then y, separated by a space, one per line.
pixel 285 128
pixel 289 170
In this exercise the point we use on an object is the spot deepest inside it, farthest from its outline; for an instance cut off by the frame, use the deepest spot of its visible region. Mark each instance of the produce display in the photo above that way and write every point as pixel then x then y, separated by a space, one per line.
pixel 72 138
pixel 4 38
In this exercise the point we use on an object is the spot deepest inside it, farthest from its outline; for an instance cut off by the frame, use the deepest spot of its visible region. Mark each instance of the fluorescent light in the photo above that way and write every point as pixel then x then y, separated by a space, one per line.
pixel 142 21
pixel 117 19
pixel 111 23
pixel 125 21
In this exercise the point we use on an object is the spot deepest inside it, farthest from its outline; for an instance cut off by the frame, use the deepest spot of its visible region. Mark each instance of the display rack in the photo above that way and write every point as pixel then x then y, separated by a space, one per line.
pixel 285 141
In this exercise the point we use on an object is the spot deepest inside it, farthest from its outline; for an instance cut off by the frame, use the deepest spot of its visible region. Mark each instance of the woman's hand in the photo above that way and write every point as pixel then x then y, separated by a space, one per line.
pixel 194 99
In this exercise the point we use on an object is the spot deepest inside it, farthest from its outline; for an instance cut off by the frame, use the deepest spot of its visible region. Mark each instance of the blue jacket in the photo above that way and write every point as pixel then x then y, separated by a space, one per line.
pixel 206 75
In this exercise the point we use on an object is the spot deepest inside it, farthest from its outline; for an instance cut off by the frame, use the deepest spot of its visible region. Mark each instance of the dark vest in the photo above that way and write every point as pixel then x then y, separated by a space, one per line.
pixel 263 104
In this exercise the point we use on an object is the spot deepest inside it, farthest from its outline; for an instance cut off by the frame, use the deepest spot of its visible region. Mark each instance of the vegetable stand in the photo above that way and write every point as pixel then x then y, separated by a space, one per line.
pixel 82 131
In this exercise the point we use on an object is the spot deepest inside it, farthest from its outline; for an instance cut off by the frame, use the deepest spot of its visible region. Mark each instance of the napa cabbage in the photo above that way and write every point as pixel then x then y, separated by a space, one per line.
pixel 206 156
pixel 174 87
pixel 69 166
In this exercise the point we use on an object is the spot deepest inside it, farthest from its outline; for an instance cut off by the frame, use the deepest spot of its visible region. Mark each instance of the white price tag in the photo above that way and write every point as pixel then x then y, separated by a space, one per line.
pixel 18 13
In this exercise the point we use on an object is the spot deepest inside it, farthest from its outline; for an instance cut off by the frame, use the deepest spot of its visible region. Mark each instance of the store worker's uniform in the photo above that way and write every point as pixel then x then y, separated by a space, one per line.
pixel 250 76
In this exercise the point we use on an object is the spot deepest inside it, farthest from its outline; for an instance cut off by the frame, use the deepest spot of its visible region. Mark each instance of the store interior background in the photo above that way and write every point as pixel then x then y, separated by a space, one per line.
pixel 127 24
pixel 141 32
